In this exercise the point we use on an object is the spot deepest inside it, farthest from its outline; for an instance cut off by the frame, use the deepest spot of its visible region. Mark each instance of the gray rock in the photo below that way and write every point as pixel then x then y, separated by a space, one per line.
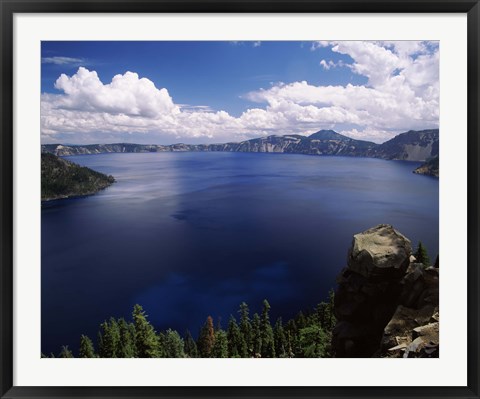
pixel 380 252
pixel 429 332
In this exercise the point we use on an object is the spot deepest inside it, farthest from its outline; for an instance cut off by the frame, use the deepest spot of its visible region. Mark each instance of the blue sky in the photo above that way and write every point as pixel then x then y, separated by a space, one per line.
pixel 168 92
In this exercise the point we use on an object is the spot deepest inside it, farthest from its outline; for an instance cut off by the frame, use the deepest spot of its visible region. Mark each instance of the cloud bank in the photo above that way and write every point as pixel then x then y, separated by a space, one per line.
pixel 402 92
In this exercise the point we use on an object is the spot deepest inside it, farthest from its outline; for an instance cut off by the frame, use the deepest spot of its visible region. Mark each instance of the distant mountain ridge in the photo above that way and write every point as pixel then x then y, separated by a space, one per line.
pixel 409 146
pixel 328 135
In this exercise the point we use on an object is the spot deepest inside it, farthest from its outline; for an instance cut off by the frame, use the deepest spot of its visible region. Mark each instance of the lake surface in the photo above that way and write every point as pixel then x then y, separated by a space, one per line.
pixel 189 235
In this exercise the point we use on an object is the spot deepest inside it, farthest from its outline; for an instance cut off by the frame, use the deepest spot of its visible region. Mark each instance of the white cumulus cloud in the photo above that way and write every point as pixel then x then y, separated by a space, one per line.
pixel 402 93
pixel 126 94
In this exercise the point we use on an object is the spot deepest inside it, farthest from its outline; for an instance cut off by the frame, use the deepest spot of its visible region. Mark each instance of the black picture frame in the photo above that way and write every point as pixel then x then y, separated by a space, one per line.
pixel 9 7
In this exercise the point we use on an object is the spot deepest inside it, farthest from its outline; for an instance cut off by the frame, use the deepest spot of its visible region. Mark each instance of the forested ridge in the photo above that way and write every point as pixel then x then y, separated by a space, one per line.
pixel 63 179
pixel 308 334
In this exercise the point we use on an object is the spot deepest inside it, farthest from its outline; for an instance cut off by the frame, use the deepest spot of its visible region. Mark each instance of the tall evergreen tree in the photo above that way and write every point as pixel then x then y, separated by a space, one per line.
pixel 290 345
pixel 126 348
pixel 301 320
pixel 324 313
pixel 190 345
pixel 256 336
pixel 237 347
pixel 292 337
pixel 321 314
pixel 246 329
pixel 313 341
pixel 86 347
pixel 173 344
pixel 422 255
pixel 65 353
pixel 109 339
pixel 146 340
pixel 266 331
pixel 281 345
pixel 161 337
pixel 220 346
pixel 206 338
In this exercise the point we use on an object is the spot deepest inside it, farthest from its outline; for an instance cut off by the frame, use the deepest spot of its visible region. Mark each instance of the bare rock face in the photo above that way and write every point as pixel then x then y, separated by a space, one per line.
pixel 382 297
pixel 413 330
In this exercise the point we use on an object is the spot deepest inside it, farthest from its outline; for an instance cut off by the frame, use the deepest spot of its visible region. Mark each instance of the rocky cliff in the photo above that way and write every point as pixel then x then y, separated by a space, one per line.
pixel 386 304
pixel 411 146
pixel 429 168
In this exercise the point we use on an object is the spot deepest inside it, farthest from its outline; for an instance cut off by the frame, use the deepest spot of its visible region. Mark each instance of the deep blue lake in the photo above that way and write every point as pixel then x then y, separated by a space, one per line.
pixel 189 235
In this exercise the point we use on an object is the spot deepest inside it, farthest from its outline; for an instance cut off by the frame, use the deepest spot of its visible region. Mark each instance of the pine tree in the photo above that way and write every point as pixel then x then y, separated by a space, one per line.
pixel 237 347
pixel 173 344
pixel 325 313
pixel 220 346
pixel 266 331
pixel 292 338
pixel 290 346
pixel 146 340
pixel 281 346
pixel 65 353
pixel 190 345
pixel 86 348
pixel 331 311
pixel 161 337
pixel 206 338
pixel 321 314
pixel 256 336
pixel 109 339
pixel 301 320
pixel 246 330
pixel 126 348
pixel 421 255
pixel 313 341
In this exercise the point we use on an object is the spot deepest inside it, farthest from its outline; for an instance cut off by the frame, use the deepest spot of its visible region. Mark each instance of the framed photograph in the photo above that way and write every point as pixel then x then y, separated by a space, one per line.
pixel 232 199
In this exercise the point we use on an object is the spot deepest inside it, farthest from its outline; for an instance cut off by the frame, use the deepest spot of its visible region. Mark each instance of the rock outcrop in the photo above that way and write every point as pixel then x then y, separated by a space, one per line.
pixel 410 146
pixel 413 330
pixel 386 304
pixel 429 168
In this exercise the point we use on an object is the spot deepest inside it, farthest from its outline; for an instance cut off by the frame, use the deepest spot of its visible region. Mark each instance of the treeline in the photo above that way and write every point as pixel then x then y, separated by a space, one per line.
pixel 306 335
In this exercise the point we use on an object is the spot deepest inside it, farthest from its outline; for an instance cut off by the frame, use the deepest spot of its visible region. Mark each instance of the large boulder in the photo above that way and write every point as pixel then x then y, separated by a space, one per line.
pixel 380 253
